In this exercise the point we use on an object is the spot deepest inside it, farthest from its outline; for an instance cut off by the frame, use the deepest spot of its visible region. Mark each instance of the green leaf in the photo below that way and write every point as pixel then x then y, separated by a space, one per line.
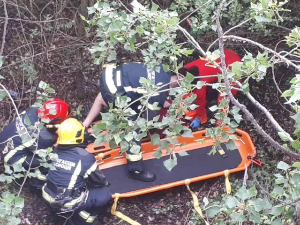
pixel 19 202
pixel 278 190
pixel 277 222
pixel 213 211
pixel 242 193
pixel 296 144
pixel 187 133
pixel 129 137
pixel 124 146
pixel 231 202
pixel 283 166
pixel 2 94
pixel 117 138
pixel 230 145
pixel 157 154
pixel 183 153
pixel 112 56
pixel 143 80
pixel 97 128
pixel 12 220
pixel 135 149
pixel 43 85
pixel 27 120
pixel 200 84
pixel 166 67
pixel 284 136
pixel 287 93
pixel 155 139
pixel 2 178
pixel 25 138
pixel 252 192
pixel 213 108
pixel 296 164
pixel 237 217
pixel 189 77
pixel 257 204
pixel 277 211
pixel 1 61
pixel 170 163
pixel 99 140
pixel 172 21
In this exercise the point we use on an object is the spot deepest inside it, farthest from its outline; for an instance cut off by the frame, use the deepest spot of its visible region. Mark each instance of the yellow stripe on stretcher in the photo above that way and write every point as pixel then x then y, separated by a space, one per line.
pixel 227 182
pixel 120 215
pixel 195 201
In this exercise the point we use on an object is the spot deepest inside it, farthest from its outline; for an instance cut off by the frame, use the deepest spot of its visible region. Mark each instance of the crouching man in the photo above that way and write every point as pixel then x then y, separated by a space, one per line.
pixel 76 184
pixel 25 152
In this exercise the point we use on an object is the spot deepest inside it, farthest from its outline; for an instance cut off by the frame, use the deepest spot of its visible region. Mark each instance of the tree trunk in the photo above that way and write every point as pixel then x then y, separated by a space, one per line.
pixel 80 84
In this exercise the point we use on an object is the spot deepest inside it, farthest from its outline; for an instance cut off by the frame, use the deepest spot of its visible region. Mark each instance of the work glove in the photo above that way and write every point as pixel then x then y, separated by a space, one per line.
pixel 195 124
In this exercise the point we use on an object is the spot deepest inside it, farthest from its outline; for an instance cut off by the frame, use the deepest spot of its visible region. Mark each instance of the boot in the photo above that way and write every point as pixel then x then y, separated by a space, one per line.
pixel 144 176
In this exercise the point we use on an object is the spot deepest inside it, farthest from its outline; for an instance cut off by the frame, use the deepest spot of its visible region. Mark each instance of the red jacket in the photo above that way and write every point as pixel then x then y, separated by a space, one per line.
pixel 204 70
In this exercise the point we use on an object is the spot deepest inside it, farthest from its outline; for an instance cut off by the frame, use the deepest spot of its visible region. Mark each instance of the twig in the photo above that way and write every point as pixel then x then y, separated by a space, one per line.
pixel 284 59
pixel 232 28
pixel 192 40
pixel 4 28
pixel 124 6
pixel 243 108
pixel 32 21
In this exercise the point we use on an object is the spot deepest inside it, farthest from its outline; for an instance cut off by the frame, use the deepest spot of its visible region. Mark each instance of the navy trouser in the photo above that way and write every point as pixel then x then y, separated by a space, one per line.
pixel 97 202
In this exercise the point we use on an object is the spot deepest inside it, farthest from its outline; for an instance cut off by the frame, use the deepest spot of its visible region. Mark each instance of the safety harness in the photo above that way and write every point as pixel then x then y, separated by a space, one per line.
pixel 65 199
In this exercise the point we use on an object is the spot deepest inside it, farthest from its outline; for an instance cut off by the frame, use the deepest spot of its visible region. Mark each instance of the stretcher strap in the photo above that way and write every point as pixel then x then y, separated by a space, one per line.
pixel 195 201
pixel 227 182
pixel 120 215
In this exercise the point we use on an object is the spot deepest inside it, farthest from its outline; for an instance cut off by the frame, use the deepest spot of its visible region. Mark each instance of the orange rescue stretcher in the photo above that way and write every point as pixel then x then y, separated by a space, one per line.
pixel 196 166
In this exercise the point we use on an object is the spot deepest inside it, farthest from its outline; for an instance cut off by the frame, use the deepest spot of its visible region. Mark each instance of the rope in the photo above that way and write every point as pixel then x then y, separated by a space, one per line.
pixel 195 201
pixel 99 156
pixel 120 215
pixel 227 182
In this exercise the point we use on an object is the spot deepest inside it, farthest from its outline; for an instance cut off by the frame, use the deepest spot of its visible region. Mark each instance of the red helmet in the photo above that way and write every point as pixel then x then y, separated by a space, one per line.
pixel 55 111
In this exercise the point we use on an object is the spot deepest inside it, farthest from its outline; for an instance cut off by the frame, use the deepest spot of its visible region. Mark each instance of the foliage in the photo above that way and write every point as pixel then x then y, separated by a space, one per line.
pixel 153 28
pixel 10 207
pixel 248 204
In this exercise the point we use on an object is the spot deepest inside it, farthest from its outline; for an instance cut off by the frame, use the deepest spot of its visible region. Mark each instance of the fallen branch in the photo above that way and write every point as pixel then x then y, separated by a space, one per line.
pixel 242 107
pixel 266 112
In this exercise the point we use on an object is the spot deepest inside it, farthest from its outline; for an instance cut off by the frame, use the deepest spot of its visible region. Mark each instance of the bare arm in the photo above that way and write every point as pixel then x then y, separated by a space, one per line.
pixel 99 103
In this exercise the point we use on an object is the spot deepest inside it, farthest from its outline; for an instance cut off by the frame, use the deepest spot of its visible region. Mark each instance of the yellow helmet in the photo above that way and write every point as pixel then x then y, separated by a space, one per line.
pixel 70 131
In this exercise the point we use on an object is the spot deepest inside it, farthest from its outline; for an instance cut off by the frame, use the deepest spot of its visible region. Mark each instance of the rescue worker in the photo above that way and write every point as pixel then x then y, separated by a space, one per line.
pixel 18 148
pixel 76 184
pixel 200 68
pixel 124 80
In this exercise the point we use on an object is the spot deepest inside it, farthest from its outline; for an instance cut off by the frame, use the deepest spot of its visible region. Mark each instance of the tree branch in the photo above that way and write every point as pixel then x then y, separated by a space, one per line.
pixel 284 59
pixel 4 28
pixel 248 115
pixel 265 111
